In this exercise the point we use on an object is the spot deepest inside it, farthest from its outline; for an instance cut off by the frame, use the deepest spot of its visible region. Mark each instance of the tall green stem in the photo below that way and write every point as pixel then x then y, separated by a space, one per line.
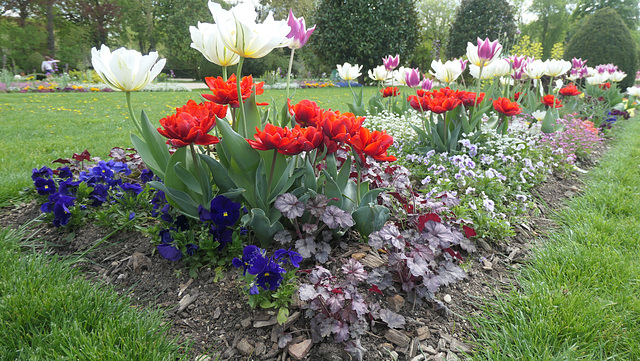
pixel 131 113
pixel 194 155
pixel 224 73
pixel 273 166
pixel 289 72
pixel 240 118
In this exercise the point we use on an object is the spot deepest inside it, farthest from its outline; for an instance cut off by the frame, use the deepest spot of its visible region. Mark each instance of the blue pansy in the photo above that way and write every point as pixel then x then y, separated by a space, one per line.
pixel 192 249
pixel 99 194
pixel 44 172
pixel 166 249
pixel 45 186
pixel 223 235
pixel 249 253
pixel 222 212
pixel 131 187
pixel 146 175
pixel 284 256
pixel 271 276
pixel 64 172
pixel 61 212
pixel 68 187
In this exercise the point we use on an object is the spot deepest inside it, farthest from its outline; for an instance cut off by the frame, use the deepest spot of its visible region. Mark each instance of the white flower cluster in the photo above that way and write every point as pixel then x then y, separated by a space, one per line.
pixel 398 126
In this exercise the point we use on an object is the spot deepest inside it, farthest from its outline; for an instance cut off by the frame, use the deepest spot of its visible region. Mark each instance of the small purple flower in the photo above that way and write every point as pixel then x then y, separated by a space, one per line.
pixel 271 275
pixel 192 249
pixel 61 212
pixel 68 187
pixel 146 175
pixel 249 254
pixel 223 212
pixel 64 172
pixel 131 187
pixel 132 215
pixel 99 194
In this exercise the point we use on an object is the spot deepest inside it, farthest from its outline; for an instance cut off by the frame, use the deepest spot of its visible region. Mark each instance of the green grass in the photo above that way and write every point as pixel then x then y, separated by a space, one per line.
pixel 38 128
pixel 48 312
pixel 580 296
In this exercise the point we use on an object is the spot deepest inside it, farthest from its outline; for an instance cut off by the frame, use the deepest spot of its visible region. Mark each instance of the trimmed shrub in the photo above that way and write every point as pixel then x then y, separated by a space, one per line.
pixel 604 38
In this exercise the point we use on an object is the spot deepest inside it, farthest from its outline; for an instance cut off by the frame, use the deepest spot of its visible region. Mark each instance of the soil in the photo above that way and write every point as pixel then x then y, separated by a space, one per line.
pixel 212 313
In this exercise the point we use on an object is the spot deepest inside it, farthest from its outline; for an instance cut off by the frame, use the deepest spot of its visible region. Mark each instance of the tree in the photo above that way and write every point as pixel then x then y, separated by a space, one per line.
pixel 627 9
pixel 551 24
pixel 436 18
pixel 280 8
pixel 364 31
pixel 140 18
pixel 604 38
pixel 491 19
pixel 102 17
pixel 24 8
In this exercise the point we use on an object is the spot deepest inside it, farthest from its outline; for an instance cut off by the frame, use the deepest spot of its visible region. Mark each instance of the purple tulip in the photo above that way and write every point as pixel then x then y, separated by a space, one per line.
pixel 487 50
pixel 299 32
pixel 463 64
pixel 426 84
pixel 412 77
pixel 578 63
pixel 518 62
pixel 391 63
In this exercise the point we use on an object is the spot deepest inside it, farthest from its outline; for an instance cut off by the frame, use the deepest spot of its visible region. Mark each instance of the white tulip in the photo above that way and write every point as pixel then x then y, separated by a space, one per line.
pixel 539 115
pixel 501 67
pixel 554 67
pixel 487 71
pixel 633 91
pixel 535 69
pixel 206 39
pixel 379 73
pixel 241 34
pixel 126 70
pixel 597 78
pixel 618 76
pixel 447 72
pixel 399 76
pixel 348 71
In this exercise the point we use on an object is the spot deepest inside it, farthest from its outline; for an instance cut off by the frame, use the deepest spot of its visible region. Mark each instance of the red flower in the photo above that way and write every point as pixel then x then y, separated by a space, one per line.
pixel 469 98
pixel 570 91
pixel 551 101
pixel 605 86
pixel 506 107
pixel 375 144
pixel 445 92
pixel 191 123
pixel 517 95
pixel 441 104
pixel 419 103
pixel 338 128
pixel 272 137
pixel 389 92
pixel 307 113
pixel 306 139
pixel 227 92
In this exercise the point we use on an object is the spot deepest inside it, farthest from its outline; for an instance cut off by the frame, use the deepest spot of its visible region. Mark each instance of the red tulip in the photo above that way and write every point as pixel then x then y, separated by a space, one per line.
pixel 506 107
pixel 375 145
pixel 338 127
pixel 389 92
pixel 308 138
pixel 442 104
pixel 227 92
pixel 469 98
pixel 419 103
pixel 570 91
pixel 551 101
pixel 272 137
pixel 306 112
pixel 191 123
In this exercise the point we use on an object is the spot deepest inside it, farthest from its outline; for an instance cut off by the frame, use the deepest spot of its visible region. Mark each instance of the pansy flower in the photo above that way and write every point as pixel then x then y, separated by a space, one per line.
pixel 166 248
pixel 44 172
pixel 45 186
pixel 222 211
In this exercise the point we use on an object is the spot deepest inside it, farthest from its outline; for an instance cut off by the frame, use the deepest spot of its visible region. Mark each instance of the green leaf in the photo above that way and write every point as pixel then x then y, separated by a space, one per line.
pixel 370 218
pixel 266 304
pixel 262 227
pixel 179 199
pixel 187 178
pixel 147 156
pixel 219 173
pixel 283 315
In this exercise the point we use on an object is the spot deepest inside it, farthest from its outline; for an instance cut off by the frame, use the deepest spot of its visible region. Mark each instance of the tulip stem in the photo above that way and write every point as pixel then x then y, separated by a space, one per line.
pixel 194 155
pixel 289 72
pixel 273 166
pixel 241 116
pixel 224 73
pixel 131 113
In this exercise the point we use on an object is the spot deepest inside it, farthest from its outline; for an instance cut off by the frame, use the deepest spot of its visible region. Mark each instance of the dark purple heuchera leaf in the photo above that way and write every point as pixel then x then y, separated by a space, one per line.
pixel 432 283
pixel 355 349
pixel 82 156
pixel 322 252
pixel 317 205
pixel 319 274
pixel 309 228
pixel 118 154
pixel 283 237
pixel 306 292
pixel 392 319
pixel 306 247
pixel 335 217
pixel 284 340
pixel 449 273
pixel 418 266
pixel 354 272
pixel 335 302
pixel 340 330
pixel 388 235
pixel 358 303
pixel 437 234
pixel 289 205
pixel 468 245
pixel 381 277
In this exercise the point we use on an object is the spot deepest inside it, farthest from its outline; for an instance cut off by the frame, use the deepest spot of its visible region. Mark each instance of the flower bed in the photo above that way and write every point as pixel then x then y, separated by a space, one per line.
pixel 340 215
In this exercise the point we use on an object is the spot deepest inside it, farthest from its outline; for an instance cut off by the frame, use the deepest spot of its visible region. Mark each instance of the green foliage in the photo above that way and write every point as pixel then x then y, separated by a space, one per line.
pixel 21 43
pixel 627 9
pixel 481 19
pixel 435 18
pixel 550 26
pixel 604 38
pixel 525 47
pixel 363 31
pixel 33 62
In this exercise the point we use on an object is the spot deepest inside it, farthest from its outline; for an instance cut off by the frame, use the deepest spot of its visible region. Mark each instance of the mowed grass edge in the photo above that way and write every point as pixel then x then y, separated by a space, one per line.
pixel 49 312
pixel 580 296
pixel 41 127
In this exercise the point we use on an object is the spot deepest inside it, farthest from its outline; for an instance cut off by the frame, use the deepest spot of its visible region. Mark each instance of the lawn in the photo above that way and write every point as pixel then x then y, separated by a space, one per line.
pixel 41 127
